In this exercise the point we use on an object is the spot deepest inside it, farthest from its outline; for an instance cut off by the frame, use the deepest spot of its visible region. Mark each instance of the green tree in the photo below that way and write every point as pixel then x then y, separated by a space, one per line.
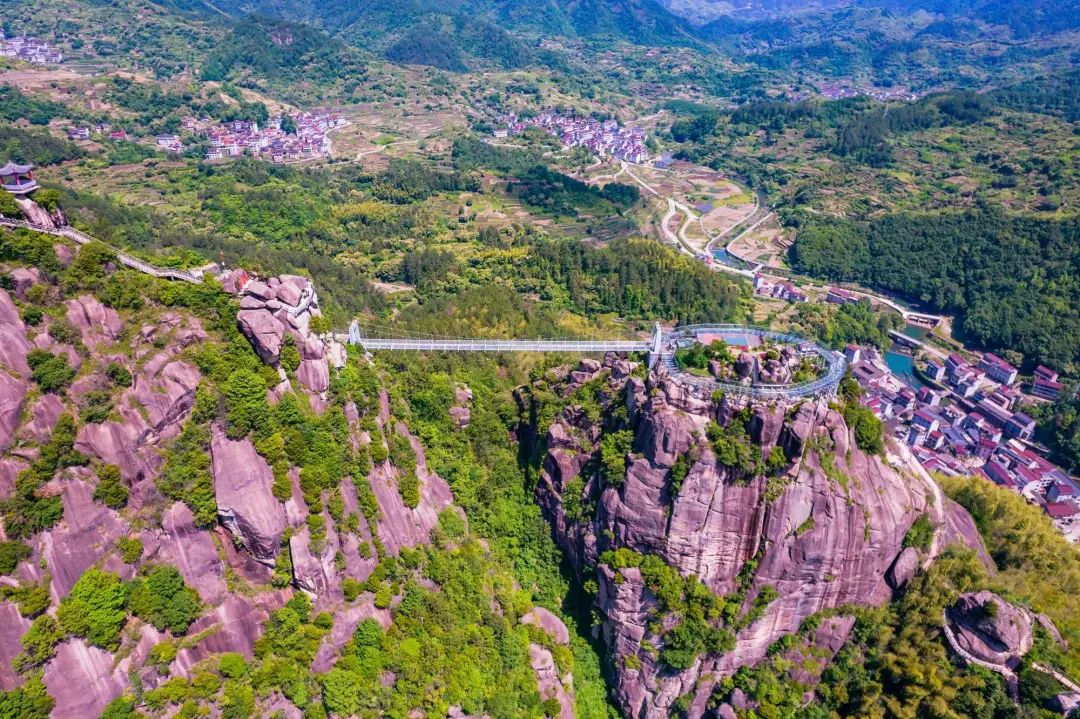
pixel 161 598
pixel 95 609
pixel 11 553
pixel 245 403
pixel 51 372
pixel 110 489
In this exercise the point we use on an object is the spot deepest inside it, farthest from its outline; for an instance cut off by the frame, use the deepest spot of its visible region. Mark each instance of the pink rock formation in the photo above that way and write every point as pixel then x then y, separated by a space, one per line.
pixel 83 679
pixel 314 572
pixel 12 396
pixel 289 293
pixel 461 411
pixel 22 279
pixel 168 394
pixel 547 679
pixel 96 323
pixel 234 626
pixel 63 253
pixel 84 537
pixel 13 349
pixel 314 374
pixel 818 541
pixel 264 331
pixel 345 622
pixel 9 470
pixel 43 418
pixel 12 626
pixel 246 504
pixel 190 549
pixel 34 213
pixel 398 525
pixel 960 529
pixel 549 622
pixel 989 628
pixel 153 407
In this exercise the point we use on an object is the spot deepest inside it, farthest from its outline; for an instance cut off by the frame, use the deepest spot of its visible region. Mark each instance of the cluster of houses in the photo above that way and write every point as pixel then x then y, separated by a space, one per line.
pixel 272 142
pixel 841 90
pixel 972 425
pixel 101 129
pixel 30 49
pixel 606 139
pixel 309 141
pixel 768 287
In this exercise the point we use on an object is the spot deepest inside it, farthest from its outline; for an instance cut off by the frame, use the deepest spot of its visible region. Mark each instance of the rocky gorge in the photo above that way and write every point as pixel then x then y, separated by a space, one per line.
pixel 819 526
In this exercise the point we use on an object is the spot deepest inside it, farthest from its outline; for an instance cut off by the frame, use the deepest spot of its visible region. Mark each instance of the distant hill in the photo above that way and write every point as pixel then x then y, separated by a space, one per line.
pixel 281 51
pixel 489 25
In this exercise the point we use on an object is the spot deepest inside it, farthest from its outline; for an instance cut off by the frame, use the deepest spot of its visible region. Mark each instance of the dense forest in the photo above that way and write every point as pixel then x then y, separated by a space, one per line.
pixel 427 46
pixel 283 52
pixel 1011 281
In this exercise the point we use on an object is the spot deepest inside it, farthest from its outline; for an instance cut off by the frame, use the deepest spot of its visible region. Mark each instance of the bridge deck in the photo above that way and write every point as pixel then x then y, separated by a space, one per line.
pixel 472 345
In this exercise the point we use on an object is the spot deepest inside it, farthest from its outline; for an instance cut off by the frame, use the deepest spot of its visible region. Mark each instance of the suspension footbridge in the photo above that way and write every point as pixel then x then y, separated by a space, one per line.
pixel 660 348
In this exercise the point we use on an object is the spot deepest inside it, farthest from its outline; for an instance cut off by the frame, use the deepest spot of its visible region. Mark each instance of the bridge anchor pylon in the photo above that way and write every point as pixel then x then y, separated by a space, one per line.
pixel 657 348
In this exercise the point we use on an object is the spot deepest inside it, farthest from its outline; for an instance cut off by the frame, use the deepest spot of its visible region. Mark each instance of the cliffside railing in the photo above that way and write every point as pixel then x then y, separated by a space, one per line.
pixel 1011 681
pixel 81 238
pixel 834 362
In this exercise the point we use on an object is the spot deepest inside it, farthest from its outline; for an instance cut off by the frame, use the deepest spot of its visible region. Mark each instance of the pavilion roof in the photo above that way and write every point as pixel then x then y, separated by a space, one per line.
pixel 11 169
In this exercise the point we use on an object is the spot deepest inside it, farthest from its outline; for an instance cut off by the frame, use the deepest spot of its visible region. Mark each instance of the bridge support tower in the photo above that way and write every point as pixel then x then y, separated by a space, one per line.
pixel 657 346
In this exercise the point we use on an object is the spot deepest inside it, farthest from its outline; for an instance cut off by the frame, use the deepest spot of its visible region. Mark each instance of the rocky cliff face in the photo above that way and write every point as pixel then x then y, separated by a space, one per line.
pixel 821 531
pixel 248 538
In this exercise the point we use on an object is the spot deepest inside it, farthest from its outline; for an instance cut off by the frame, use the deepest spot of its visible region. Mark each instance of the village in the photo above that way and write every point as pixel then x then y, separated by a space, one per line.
pixel 283 139
pixel 290 139
pixel 605 139
pixel 30 49
pixel 966 419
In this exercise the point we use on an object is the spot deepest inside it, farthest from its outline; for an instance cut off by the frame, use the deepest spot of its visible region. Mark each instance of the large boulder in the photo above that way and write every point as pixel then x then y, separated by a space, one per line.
pixel 43 417
pixel 989 628
pixel 903 569
pixel 243 486
pixel 264 331
pixel 549 682
pixel 189 549
pixel 314 374
pixel 84 538
pixel 98 324
pixel 313 567
pixel 234 626
pixel 22 279
pixel 345 623
pixel 549 622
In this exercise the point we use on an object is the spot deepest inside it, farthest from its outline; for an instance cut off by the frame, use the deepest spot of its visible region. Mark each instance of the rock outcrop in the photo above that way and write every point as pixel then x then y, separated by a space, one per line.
pixel 189 549
pixel 822 532
pixel 96 323
pixel 12 626
pixel 243 486
pixel 989 628
pixel 283 307
pixel 83 679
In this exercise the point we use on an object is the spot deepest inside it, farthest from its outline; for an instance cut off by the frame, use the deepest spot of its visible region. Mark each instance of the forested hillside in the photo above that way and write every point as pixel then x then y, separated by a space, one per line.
pixel 859 156
pixel 1011 281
